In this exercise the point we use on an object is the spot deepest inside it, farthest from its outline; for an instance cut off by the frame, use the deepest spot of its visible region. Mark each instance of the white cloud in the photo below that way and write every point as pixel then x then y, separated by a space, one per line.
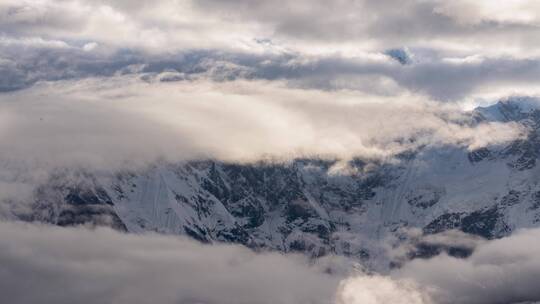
pixel 90 46
pixel 378 290
pixel 499 271
pixel 477 11
pixel 315 27
pixel 159 26
pixel 57 265
pixel 47 264
pixel 459 47
pixel 107 122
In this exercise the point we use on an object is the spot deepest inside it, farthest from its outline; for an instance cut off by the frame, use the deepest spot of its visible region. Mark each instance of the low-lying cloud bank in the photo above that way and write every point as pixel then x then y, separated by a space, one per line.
pixel 107 121
pixel 122 122
pixel 40 264
pixel 49 264
pixel 498 272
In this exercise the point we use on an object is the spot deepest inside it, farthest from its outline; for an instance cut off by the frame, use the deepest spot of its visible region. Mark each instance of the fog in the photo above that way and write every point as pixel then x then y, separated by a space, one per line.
pixel 48 264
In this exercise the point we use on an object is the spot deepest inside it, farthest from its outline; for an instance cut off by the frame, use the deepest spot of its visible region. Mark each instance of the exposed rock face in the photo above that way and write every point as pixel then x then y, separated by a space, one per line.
pixel 306 206
pixel 75 199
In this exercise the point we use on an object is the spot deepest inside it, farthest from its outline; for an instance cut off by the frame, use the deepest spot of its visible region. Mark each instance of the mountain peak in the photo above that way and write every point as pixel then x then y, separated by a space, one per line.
pixel 513 108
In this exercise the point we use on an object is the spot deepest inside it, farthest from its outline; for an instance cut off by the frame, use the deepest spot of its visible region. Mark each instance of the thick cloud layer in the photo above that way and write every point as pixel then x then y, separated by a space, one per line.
pixel 40 264
pixel 378 289
pixel 503 271
pixel 463 50
pixel 300 25
pixel 441 78
pixel 123 122
pixel 48 264
pixel 102 119
pixel 500 271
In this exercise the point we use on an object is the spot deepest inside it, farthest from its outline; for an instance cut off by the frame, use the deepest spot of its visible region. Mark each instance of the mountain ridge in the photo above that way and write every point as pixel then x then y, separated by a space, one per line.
pixel 305 206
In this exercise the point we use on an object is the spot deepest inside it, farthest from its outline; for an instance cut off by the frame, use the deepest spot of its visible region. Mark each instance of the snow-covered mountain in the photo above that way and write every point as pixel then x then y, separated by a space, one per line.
pixel 309 206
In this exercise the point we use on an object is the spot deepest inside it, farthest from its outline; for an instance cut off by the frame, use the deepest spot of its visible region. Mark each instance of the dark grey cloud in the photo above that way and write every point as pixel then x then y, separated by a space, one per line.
pixel 449 81
pixel 435 76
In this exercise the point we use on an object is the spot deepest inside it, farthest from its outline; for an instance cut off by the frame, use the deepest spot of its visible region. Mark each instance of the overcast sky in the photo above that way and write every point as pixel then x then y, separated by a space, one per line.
pixel 81 80
pixel 447 50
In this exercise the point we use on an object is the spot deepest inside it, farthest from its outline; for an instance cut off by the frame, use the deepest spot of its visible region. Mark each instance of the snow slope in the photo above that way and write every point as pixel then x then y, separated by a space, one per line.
pixel 305 206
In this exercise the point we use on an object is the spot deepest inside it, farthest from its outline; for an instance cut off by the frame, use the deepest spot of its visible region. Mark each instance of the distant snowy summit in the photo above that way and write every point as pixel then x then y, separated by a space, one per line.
pixel 510 109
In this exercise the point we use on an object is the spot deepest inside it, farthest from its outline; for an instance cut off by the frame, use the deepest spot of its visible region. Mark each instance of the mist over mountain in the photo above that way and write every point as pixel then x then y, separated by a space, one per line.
pixel 284 152
pixel 312 205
